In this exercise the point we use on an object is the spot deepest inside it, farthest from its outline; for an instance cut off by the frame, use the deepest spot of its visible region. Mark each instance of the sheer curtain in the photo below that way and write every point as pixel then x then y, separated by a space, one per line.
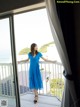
pixel 69 95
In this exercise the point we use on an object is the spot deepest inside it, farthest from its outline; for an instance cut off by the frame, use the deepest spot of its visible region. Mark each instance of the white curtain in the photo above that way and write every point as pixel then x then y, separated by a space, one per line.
pixel 69 91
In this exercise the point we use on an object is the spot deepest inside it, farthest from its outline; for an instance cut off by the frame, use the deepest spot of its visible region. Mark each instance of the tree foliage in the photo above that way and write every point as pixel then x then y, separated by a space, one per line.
pixel 42 49
pixel 57 86
pixel 45 46
pixel 24 51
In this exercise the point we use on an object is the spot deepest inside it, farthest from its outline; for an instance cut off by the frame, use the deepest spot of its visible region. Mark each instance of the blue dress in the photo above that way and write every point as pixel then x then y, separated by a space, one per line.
pixel 35 80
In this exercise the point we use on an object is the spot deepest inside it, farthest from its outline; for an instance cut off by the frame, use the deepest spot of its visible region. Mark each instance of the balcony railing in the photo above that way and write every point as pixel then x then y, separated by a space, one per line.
pixel 52 76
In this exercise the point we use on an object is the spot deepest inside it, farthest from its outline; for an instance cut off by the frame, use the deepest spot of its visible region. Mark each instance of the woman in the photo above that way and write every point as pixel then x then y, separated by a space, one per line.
pixel 35 80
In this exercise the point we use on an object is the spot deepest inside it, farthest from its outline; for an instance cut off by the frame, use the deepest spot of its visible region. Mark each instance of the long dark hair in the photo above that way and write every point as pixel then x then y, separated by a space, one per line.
pixel 32 49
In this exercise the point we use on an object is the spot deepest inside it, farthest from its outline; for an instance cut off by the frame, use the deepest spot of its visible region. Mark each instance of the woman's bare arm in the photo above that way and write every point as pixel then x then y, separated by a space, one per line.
pixel 48 60
pixel 24 60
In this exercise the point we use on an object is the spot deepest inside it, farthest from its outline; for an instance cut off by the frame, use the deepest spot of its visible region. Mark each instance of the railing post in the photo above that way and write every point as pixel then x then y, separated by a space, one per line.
pixel 56 70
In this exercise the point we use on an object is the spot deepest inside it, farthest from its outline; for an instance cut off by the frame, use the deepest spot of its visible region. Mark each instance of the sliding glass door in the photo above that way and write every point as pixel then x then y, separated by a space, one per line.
pixel 7 75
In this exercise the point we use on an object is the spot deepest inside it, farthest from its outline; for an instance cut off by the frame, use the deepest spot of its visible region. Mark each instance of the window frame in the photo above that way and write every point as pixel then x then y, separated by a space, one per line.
pixel 10 15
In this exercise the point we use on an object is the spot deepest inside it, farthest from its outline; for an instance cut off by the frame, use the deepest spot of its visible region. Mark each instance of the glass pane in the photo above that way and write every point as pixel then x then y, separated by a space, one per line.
pixel 7 92
pixel 33 27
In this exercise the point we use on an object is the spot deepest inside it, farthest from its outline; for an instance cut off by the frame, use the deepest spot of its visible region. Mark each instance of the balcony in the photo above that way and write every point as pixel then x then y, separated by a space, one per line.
pixel 53 83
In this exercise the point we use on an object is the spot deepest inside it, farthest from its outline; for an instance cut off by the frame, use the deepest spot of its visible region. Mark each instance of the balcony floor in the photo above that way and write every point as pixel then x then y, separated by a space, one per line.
pixel 44 101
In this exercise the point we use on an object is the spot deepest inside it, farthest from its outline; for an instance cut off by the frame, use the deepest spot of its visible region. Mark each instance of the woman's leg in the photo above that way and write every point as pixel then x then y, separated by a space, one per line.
pixel 36 95
pixel 35 92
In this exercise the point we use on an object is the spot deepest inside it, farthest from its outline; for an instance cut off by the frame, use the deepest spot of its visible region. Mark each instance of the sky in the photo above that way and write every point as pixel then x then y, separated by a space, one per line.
pixel 32 27
pixel 5 49
pixel 29 27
